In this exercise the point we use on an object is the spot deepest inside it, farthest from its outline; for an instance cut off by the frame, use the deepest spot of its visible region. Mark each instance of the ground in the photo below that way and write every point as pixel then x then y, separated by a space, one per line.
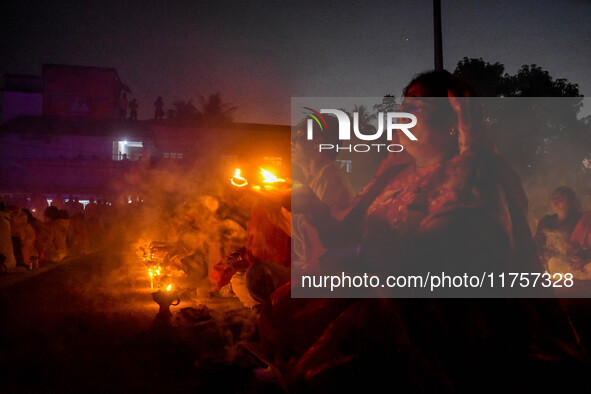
pixel 91 325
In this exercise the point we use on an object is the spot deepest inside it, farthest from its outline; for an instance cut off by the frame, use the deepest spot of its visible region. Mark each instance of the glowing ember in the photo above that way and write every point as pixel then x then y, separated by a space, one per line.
pixel 237 180
pixel 269 177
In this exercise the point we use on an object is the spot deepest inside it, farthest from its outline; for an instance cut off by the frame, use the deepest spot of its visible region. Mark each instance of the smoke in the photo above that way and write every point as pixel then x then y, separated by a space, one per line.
pixel 180 218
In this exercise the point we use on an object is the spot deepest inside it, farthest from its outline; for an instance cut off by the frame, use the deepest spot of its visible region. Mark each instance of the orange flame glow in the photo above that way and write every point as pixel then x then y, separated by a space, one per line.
pixel 169 287
pixel 237 180
pixel 269 177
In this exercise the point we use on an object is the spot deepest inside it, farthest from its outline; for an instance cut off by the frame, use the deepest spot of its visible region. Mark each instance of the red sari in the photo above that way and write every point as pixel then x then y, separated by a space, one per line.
pixel 470 207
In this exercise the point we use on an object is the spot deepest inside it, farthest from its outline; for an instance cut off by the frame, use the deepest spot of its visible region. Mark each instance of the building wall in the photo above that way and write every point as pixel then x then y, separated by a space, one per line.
pixel 64 176
pixel 20 103
pixel 40 146
pixel 82 91
pixel 49 162
pixel 245 146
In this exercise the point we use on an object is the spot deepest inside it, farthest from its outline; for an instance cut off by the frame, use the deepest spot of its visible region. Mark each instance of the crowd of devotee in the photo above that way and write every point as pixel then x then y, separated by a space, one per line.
pixel 454 205
pixel 450 203
pixel 37 232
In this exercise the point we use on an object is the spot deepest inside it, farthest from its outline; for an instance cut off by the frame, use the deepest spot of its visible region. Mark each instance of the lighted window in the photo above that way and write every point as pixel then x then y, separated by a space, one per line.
pixel 127 150
pixel 172 155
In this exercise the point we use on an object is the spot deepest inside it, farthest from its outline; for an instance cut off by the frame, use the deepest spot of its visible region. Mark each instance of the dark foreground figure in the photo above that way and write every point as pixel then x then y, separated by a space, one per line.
pixel 457 207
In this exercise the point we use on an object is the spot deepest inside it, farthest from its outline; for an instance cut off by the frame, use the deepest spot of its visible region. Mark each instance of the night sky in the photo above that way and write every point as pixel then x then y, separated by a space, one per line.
pixel 260 53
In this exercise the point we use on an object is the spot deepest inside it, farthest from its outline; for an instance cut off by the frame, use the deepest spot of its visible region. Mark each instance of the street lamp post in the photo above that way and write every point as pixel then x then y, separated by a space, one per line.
pixel 438 45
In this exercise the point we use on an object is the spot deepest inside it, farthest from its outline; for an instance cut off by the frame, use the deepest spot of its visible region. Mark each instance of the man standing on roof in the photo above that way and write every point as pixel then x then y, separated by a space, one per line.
pixel 123 106
pixel 159 109
pixel 133 106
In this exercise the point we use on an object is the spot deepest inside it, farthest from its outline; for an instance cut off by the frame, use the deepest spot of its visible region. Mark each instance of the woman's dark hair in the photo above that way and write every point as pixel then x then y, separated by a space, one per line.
pixel 569 195
pixel 51 212
pixel 437 83
pixel 30 217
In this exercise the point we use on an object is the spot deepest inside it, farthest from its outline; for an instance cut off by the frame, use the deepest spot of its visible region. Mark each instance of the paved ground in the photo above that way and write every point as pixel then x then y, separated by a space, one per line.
pixel 90 325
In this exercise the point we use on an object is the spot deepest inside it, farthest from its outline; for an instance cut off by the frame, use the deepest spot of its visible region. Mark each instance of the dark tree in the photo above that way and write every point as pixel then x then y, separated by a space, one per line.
pixel 184 112
pixel 488 79
pixel 533 81
pixel 541 135
pixel 388 104
pixel 214 112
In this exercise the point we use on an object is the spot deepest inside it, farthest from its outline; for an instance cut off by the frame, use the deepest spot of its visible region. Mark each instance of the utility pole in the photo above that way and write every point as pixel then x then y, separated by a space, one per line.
pixel 438 42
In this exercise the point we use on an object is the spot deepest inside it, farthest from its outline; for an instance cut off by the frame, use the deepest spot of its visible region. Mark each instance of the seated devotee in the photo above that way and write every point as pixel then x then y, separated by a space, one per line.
pixel 262 265
pixel 324 188
pixel 61 229
pixel 37 205
pixel 553 231
pixel 265 259
pixel 45 235
pixel 6 249
pixel 78 241
pixel 457 205
pixel 576 260
pixel 22 231
pixel 74 206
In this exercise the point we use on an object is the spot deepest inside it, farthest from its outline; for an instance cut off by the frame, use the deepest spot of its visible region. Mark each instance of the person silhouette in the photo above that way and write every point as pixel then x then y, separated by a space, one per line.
pixel 133 106
pixel 159 109
pixel 123 106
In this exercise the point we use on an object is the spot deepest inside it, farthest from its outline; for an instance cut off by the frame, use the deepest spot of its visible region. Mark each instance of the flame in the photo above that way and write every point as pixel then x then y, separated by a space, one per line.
pixel 269 177
pixel 237 180
pixel 169 287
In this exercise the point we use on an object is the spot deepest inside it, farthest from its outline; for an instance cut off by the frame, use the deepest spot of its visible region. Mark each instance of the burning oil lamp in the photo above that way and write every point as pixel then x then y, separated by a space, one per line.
pixel 238 180
pixel 165 298
pixel 270 183
pixel 269 177
pixel 155 272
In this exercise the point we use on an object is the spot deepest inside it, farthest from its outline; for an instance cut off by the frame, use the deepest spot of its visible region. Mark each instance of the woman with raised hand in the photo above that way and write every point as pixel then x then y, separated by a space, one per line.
pixel 457 207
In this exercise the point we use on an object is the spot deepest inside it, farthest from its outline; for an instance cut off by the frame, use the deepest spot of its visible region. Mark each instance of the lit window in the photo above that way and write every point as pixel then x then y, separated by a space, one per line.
pixel 172 155
pixel 129 150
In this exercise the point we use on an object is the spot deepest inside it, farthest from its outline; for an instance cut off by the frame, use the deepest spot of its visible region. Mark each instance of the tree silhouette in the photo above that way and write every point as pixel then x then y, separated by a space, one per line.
pixel 533 81
pixel 488 79
pixel 542 138
pixel 388 104
pixel 213 111
pixel 184 112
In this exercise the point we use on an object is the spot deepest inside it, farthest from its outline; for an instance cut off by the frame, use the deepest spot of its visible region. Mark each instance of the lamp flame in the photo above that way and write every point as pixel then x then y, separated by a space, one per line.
pixel 169 287
pixel 269 177
pixel 237 180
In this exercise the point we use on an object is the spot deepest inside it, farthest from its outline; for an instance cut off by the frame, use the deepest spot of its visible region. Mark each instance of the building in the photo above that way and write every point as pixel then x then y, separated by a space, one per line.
pixel 81 91
pixel 22 95
pixel 72 141
pixel 65 155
